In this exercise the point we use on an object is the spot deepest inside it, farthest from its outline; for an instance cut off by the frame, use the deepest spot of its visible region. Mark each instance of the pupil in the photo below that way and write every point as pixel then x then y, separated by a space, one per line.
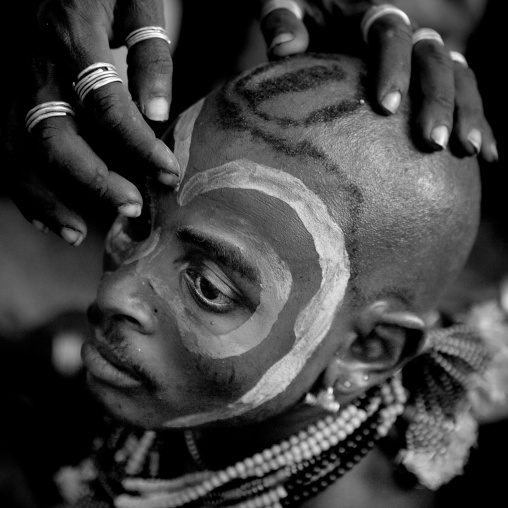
pixel 208 289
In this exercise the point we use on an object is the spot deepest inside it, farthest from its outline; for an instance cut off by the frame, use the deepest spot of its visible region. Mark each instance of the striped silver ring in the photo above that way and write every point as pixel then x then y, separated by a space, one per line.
pixel 144 33
pixel 47 110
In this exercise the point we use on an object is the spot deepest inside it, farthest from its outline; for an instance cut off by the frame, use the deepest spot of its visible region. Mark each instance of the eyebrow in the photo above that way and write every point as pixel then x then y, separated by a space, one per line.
pixel 226 253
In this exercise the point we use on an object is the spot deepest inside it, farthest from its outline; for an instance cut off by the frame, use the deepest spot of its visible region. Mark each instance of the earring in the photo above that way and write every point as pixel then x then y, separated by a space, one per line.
pixel 325 398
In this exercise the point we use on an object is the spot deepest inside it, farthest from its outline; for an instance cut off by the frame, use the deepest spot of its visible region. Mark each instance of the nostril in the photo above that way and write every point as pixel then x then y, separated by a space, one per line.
pixel 136 317
pixel 93 314
pixel 122 301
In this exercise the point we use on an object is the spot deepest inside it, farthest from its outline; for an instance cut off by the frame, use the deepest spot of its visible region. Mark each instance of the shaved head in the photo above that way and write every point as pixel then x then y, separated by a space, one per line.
pixel 409 217
pixel 306 227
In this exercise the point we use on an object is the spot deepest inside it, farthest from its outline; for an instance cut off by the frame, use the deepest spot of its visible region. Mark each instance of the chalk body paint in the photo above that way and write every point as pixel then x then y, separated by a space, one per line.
pixel 314 320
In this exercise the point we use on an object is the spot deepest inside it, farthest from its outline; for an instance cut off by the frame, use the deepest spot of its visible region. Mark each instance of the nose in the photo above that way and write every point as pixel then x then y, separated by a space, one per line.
pixel 123 298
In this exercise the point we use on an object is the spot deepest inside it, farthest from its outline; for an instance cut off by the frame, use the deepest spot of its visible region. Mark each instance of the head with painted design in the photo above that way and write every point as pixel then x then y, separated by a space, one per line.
pixel 308 240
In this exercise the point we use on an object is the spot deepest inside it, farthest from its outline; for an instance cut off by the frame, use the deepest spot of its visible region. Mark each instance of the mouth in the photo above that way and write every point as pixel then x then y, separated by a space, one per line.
pixel 103 365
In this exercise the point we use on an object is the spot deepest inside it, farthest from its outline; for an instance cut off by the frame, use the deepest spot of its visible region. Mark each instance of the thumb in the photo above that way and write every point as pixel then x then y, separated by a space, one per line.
pixel 283 28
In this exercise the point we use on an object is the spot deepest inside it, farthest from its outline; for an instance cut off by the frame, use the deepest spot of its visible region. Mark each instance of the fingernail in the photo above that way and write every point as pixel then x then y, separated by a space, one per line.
pixel 475 138
pixel 157 109
pixel 39 226
pixel 130 210
pixel 169 179
pixel 71 236
pixel 440 136
pixel 493 152
pixel 391 101
pixel 173 162
pixel 281 39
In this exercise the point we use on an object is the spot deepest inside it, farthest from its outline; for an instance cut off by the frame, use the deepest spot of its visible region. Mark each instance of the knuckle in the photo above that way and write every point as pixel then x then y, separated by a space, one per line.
pixel 108 108
pixel 98 180
pixel 66 22
pixel 435 52
pixel 444 100
pixel 398 35
pixel 159 60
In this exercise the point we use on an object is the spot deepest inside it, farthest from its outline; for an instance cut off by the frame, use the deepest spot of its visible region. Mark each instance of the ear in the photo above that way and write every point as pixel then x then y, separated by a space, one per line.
pixel 381 341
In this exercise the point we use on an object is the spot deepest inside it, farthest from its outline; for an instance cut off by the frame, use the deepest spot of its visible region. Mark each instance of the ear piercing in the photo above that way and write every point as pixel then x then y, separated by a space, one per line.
pixel 348 383
pixel 325 398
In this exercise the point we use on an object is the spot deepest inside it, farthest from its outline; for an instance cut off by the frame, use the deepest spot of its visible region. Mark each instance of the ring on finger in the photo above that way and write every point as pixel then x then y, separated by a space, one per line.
pixel 459 58
pixel 47 110
pixel 288 5
pixel 93 77
pixel 378 11
pixel 144 33
pixel 427 34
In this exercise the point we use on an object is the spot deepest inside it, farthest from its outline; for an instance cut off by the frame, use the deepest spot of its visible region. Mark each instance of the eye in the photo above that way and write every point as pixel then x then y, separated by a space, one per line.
pixel 209 291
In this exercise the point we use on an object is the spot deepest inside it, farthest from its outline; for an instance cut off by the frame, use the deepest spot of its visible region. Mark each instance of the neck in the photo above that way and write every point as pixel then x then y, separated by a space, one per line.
pixel 290 471
pixel 246 440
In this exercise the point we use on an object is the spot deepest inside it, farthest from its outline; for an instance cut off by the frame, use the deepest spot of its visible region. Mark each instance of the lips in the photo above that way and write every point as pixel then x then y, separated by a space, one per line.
pixel 105 366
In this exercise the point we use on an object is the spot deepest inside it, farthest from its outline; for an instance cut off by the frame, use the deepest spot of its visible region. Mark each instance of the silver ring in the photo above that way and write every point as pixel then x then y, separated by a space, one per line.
pixel 47 110
pixel 289 5
pixel 424 34
pixel 459 58
pixel 146 32
pixel 93 77
pixel 378 11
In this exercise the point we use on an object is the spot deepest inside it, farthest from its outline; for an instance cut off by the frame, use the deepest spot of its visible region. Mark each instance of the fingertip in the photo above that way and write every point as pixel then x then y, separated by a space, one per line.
pixel 475 139
pixel 490 153
pixel 40 226
pixel 287 44
pixel 72 236
pixel 172 166
pixel 131 210
pixel 439 136
pixel 169 179
pixel 391 102
pixel 284 32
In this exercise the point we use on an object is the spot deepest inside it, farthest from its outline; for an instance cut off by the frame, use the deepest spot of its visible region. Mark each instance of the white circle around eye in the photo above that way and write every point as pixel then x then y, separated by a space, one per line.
pixel 315 319
pixel 276 282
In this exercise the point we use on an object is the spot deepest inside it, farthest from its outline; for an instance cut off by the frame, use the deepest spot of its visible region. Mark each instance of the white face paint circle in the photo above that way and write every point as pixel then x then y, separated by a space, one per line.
pixel 315 319
pixel 276 282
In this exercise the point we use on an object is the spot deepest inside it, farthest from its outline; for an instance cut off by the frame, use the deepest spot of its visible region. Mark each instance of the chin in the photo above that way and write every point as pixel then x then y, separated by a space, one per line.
pixel 130 408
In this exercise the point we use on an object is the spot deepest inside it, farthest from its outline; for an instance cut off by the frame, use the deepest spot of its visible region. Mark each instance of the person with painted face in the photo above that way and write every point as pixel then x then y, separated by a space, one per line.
pixel 70 112
pixel 261 333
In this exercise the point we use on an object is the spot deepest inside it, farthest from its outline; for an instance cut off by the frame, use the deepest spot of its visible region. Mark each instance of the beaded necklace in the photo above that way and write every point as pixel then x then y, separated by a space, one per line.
pixel 282 475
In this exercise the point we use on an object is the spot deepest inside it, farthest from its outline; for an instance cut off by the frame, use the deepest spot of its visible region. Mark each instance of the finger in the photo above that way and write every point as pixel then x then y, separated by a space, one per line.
pixel 46 211
pixel 435 89
pixel 22 176
pixel 73 164
pixel 388 33
pixel 110 106
pixel 471 130
pixel 62 153
pixel 283 28
pixel 150 66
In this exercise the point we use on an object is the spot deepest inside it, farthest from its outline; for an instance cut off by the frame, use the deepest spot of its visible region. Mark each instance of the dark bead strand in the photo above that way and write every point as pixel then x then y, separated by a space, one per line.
pixel 299 493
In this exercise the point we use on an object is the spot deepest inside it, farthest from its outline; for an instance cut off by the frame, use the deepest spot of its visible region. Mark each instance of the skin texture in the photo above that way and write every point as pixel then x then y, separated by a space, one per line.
pixel 337 236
